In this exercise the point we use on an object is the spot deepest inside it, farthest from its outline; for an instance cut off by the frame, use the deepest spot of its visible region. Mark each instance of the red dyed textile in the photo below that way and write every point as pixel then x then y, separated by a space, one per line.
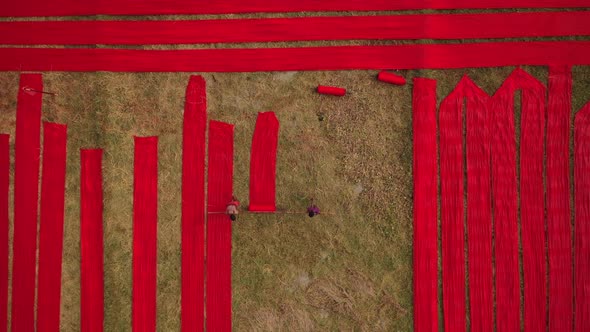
pixel 91 241
pixel 331 90
pixel 582 222
pixel 263 163
pixel 425 206
pixel 434 56
pixel 151 7
pixel 219 234
pixel 440 26
pixel 145 227
pixel 4 225
pixel 26 191
pixel 53 186
pixel 392 78
pixel 193 205
pixel 559 229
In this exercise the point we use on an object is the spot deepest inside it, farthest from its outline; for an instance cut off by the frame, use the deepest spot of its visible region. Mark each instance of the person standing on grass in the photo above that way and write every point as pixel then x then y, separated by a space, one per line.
pixel 232 208
pixel 312 209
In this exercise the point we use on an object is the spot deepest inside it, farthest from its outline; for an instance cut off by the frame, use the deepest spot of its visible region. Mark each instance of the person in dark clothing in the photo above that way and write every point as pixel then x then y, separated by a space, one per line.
pixel 313 210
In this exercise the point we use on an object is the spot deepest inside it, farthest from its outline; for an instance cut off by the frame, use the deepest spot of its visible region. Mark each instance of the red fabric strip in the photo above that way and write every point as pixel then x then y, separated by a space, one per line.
pixel 440 26
pixel 219 233
pixel 464 55
pixel 4 225
pixel 582 222
pixel 53 186
pixel 91 241
pixel 263 163
pixel 559 229
pixel 193 205
pixel 26 191
pixel 150 7
pixel 145 226
pixel 425 206
pixel 453 232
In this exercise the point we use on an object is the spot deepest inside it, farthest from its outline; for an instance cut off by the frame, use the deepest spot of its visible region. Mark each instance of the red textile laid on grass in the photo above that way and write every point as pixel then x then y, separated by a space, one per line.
pixel 26 191
pixel 91 241
pixel 425 206
pixel 559 229
pixel 53 186
pixel 263 163
pixel 582 222
pixel 417 56
pixel 4 225
pixel 193 205
pixel 219 233
pixel 145 227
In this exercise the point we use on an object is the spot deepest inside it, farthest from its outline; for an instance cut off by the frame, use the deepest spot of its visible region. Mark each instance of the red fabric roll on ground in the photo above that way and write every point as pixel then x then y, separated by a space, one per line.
pixel 559 229
pixel 4 225
pixel 331 90
pixel 425 206
pixel 582 222
pixel 145 227
pixel 53 186
pixel 193 205
pixel 452 220
pixel 392 78
pixel 263 163
pixel 26 191
pixel 219 233
pixel 91 241
pixel 417 56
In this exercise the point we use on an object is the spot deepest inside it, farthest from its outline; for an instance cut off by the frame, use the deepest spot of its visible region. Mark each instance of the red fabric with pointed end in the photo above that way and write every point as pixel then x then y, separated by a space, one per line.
pixel 392 78
pixel 263 163
pixel 91 241
pixel 193 206
pixel 145 226
pixel 53 186
pixel 559 229
pixel 425 206
pixel 219 233
pixel 582 222
pixel 331 90
pixel 4 225
pixel 26 191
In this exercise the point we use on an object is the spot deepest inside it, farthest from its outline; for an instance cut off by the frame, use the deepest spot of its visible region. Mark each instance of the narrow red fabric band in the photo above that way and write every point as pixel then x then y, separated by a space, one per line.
pixel 425 206
pixel 53 186
pixel 91 241
pixel 433 56
pixel 145 227
pixel 193 205
pixel 219 227
pixel 440 26
pixel 331 90
pixel 4 225
pixel 263 163
pixel 392 78
pixel 26 191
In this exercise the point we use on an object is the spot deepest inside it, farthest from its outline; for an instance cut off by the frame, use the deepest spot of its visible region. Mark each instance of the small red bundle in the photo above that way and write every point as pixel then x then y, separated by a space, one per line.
pixel 331 90
pixel 392 78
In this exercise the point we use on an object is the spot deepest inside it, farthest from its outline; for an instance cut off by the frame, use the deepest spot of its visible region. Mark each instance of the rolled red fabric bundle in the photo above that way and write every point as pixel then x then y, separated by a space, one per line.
pixel 392 78
pixel 331 90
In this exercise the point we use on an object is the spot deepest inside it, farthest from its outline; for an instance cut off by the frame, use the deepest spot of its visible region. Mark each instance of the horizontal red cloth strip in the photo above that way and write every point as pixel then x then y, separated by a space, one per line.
pixel 133 7
pixel 263 163
pixel 440 26
pixel 433 56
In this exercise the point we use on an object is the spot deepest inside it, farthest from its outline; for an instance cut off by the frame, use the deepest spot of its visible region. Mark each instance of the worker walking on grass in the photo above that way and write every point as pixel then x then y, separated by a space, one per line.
pixel 232 208
pixel 312 209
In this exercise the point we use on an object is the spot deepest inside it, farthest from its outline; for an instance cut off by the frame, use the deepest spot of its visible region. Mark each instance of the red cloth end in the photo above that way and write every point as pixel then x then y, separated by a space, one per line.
pixel 331 90
pixel 262 208
pixel 392 78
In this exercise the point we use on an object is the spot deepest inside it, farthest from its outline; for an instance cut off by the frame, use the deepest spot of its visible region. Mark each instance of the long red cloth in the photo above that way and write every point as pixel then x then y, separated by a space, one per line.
pixel 582 222
pixel 53 186
pixel 150 7
pixel 193 205
pixel 559 229
pixel 145 227
pixel 26 191
pixel 440 26
pixel 425 206
pixel 263 163
pixel 434 56
pixel 91 241
pixel 219 227
pixel 4 225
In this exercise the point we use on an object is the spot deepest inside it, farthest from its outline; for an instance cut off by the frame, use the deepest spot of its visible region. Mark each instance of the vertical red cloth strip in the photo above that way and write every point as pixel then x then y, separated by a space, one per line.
pixel 53 186
pixel 453 231
pixel 193 206
pixel 145 226
pixel 91 241
pixel 558 200
pixel 263 163
pixel 219 234
pixel 26 191
pixel 425 206
pixel 4 224
pixel 582 222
